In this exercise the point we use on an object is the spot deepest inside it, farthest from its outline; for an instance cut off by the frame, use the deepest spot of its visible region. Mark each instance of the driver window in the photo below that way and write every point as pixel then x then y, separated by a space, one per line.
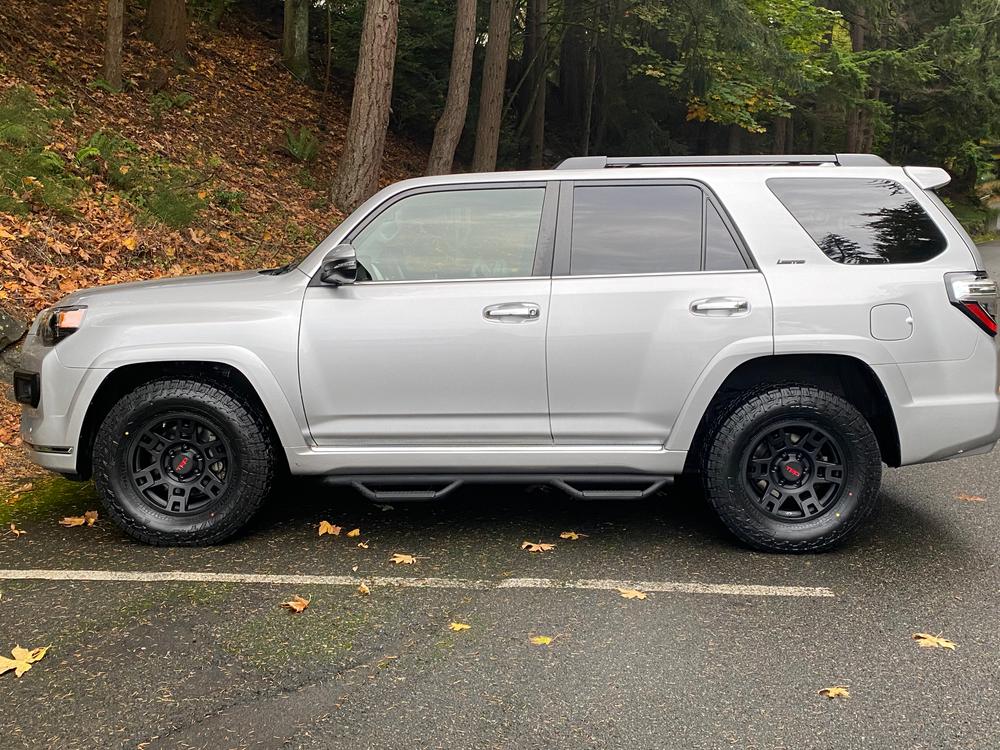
pixel 455 234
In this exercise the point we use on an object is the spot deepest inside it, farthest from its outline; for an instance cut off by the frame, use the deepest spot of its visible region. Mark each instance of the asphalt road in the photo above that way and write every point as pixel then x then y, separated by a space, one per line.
pixel 220 665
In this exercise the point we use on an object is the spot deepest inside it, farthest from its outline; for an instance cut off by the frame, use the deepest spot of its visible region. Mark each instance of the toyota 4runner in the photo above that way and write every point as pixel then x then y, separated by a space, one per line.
pixel 781 326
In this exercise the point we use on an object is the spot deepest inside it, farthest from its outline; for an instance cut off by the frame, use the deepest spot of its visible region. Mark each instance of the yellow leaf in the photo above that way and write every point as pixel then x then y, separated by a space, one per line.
pixel 403 559
pixel 458 626
pixel 22 661
pixel 541 640
pixel 16 531
pixel 354 532
pixel 296 604
pixel 363 545
pixel 124 168
pixel 91 517
pixel 130 242
pixel 202 195
pixel 325 527
pixel 632 594
pixel 73 521
pixel 926 640
pixel 970 498
pixel 571 535
pixel 364 590
pixel 837 691
pixel 540 547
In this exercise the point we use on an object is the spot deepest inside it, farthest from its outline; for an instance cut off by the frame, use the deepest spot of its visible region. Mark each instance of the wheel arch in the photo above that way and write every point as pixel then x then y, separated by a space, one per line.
pixel 126 377
pixel 845 375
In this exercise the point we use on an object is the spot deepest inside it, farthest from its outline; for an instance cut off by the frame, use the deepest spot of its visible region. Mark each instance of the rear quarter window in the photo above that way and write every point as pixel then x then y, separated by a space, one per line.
pixel 860 220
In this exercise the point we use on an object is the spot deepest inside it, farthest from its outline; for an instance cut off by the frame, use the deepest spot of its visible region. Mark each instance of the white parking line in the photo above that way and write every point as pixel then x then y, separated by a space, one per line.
pixel 673 587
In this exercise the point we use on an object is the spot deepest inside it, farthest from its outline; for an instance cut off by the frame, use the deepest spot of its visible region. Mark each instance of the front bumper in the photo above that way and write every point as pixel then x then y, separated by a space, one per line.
pixel 51 429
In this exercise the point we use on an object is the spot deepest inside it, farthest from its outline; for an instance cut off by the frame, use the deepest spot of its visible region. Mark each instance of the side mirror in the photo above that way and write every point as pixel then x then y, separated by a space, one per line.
pixel 340 266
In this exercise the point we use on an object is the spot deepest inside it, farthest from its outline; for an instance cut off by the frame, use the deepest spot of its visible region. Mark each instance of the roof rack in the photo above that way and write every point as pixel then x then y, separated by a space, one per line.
pixel 758 160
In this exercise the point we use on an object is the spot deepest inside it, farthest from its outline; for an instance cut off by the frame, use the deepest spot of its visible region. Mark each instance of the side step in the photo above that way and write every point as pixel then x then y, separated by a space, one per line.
pixel 419 487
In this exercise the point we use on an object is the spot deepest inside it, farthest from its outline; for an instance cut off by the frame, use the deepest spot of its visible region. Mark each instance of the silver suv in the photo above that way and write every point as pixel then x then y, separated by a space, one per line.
pixel 781 326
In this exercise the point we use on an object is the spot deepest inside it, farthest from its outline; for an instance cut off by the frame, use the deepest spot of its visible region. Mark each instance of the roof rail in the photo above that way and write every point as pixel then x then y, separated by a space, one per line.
pixel 760 160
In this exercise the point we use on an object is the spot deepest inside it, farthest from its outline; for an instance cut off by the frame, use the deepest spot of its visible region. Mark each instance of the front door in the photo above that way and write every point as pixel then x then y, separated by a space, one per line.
pixel 443 341
pixel 650 286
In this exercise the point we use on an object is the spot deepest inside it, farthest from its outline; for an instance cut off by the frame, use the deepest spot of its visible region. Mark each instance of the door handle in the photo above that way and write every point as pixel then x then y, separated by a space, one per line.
pixel 512 312
pixel 720 306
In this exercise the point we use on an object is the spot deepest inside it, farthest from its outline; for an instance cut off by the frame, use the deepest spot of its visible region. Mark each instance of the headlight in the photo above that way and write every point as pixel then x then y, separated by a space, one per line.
pixel 57 323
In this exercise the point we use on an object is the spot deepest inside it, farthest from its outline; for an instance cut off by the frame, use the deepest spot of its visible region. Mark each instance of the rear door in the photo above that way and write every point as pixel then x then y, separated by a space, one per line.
pixel 651 283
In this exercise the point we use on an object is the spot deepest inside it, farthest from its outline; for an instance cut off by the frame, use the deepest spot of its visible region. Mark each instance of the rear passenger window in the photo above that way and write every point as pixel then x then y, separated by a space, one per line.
pixel 636 229
pixel 860 220
pixel 721 251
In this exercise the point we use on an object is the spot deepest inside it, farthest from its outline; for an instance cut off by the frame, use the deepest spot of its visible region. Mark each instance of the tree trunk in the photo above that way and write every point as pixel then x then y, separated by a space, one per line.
pixel 357 171
pixel 780 135
pixel 538 32
pixel 855 117
pixel 735 142
pixel 494 79
pixel 572 63
pixel 589 85
pixel 165 26
pixel 295 39
pixel 449 127
pixel 113 43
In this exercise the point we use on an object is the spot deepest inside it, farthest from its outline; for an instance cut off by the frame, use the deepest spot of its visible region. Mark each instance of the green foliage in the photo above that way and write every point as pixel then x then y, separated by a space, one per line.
pixel 99 84
pixel 173 205
pixel 302 146
pixel 30 174
pixel 24 121
pixel 231 200
pixel 164 101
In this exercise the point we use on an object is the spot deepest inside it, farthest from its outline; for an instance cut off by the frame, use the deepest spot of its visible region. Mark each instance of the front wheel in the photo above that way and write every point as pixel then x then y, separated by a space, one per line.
pixel 792 468
pixel 182 462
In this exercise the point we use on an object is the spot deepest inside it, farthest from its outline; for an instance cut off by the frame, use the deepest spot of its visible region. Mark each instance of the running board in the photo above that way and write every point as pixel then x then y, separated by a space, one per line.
pixel 420 487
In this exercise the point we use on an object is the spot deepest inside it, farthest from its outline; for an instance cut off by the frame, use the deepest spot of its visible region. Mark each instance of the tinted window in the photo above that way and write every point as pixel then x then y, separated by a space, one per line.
pixel 636 229
pixel 861 220
pixel 721 251
pixel 456 234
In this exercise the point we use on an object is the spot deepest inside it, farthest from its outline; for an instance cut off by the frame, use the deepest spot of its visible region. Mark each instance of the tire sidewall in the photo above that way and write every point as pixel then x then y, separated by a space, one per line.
pixel 727 463
pixel 120 429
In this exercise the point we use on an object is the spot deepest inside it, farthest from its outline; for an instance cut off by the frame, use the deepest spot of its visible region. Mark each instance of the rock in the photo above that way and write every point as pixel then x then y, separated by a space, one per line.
pixel 11 330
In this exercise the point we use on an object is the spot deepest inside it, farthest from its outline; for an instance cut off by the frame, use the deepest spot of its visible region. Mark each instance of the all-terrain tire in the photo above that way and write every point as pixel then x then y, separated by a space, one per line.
pixel 250 462
pixel 740 425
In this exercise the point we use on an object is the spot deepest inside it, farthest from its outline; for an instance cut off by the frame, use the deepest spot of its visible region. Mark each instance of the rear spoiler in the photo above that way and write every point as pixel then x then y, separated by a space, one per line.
pixel 928 178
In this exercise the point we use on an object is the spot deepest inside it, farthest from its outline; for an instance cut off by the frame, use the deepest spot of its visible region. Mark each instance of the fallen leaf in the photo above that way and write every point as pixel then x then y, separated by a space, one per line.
pixel 970 498
pixel 571 535
pixel 130 242
pixel 540 547
pixel 297 604
pixel 73 521
pixel 354 532
pixel 541 640
pixel 22 661
pixel 16 531
pixel 364 590
pixel 363 545
pixel 632 594
pixel 325 527
pixel 926 640
pixel 202 195
pixel 837 691
pixel 91 517
pixel 403 559
pixel 458 626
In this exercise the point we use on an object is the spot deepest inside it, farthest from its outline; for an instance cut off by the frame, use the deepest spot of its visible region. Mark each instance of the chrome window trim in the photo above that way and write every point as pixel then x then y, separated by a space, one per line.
pixel 658 273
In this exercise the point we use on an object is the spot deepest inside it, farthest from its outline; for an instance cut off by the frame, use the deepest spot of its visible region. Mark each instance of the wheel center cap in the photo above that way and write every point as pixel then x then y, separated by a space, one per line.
pixel 183 463
pixel 792 470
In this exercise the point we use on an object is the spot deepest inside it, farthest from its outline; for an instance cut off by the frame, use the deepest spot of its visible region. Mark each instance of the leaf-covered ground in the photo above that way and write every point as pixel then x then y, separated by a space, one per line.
pixel 185 171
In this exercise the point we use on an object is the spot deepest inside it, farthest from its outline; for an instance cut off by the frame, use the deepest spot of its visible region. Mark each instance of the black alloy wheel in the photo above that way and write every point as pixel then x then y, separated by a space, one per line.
pixel 795 471
pixel 180 463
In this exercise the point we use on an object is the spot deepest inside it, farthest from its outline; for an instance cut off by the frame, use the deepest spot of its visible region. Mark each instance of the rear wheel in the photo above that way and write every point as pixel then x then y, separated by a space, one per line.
pixel 792 468
pixel 182 462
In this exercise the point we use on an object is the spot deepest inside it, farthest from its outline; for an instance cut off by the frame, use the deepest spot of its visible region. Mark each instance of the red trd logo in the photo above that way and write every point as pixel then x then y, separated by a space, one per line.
pixel 794 472
pixel 182 463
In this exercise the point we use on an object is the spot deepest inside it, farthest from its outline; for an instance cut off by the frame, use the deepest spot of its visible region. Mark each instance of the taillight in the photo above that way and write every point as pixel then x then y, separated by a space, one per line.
pixel 975 294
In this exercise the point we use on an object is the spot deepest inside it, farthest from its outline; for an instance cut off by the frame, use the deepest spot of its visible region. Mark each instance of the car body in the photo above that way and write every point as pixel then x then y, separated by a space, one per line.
pixel 561 352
